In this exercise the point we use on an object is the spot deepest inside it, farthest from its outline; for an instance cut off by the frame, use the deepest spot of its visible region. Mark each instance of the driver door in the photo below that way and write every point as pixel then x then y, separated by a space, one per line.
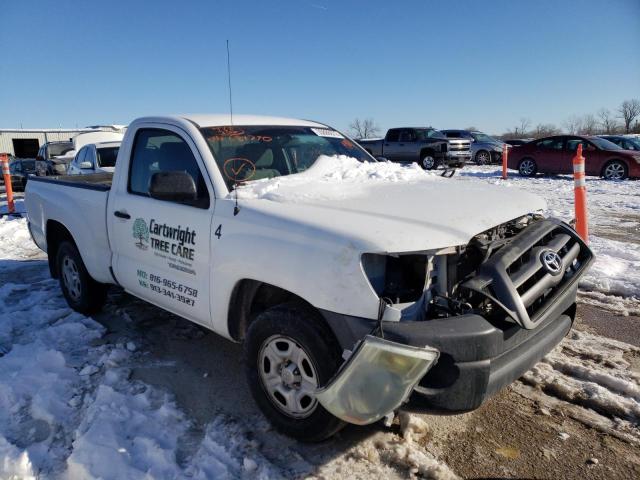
pixel 162 247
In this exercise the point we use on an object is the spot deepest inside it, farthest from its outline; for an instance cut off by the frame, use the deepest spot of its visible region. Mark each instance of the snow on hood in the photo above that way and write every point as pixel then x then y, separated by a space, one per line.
pixel 335 177
pixel 387 206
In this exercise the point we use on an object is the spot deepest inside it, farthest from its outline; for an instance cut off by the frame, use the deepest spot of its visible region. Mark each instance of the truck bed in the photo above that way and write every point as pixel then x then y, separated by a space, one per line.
pixel 94 181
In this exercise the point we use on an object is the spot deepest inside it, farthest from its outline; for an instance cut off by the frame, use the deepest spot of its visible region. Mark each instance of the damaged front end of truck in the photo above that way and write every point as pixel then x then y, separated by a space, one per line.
pixel 457 324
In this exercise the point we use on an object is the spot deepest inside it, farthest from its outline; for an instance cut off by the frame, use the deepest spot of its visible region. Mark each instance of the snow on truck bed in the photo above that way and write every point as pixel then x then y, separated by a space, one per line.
pixel 69 409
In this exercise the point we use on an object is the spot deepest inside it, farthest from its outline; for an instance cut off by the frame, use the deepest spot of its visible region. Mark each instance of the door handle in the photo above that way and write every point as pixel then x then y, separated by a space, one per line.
pixel 120 214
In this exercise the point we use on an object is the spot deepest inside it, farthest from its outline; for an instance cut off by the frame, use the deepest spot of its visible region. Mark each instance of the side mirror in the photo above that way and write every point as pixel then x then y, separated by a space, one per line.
pixel 175 186
pixel 86 165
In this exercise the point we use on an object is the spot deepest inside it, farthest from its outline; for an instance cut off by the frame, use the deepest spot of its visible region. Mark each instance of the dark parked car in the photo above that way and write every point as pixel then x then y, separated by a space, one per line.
pixel 484 148
pixel 555 155
pixel 20 171
pixel 46 164
pixel 628 143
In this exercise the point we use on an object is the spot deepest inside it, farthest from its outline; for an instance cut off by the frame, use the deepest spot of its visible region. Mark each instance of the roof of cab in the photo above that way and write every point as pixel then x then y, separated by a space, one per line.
pixel 224 119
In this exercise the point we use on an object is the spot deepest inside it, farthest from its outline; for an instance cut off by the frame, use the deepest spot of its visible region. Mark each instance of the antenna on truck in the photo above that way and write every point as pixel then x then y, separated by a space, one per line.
pixel 229 79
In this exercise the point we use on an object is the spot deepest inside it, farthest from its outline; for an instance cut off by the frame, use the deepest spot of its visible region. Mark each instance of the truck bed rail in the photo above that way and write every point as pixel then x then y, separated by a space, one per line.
pixel 94 181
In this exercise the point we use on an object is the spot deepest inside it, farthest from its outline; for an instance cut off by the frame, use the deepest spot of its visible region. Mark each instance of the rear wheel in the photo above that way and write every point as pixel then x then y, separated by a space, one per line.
pixel 483 157
pixel 82 292
pixel 527 167
pixel 289 353
pixel 615 170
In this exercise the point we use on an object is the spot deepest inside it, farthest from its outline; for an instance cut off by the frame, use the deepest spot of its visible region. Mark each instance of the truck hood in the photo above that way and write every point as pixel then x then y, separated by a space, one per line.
pixel 387 207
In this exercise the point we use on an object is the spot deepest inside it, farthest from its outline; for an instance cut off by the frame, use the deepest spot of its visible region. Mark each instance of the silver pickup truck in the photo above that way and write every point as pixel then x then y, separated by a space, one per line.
pixel 426 146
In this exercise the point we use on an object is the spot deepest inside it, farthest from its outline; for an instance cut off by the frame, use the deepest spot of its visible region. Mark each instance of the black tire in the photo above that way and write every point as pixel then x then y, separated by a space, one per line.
pixel 428 161
pixel 306 328
pixel 482 157
pixel 86 296
pixel 615 170
pixel 527 167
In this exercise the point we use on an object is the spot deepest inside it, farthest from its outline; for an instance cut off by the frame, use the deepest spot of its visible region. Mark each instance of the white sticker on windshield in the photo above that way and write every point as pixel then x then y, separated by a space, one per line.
pixel 326 132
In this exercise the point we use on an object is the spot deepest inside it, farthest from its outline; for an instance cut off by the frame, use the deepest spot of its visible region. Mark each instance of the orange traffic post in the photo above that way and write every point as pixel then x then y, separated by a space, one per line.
pixel 505 157
pixel 580 191
pixel 7 182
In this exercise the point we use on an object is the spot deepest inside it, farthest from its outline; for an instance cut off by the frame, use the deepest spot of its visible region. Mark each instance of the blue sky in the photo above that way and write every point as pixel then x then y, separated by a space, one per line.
pixel 442 63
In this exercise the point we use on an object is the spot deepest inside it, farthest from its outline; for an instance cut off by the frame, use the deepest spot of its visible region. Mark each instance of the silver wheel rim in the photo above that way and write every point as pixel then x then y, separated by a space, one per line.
pixel 614 171
pixel 526 167
pixel 482 158
pixel 427 162
pixel 288 376
pixel 71 278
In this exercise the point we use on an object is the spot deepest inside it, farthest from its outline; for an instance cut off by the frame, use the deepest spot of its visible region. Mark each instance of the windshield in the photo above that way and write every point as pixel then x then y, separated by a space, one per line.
pixel 56 149
pixel 107 156
pixel 483 137
pixel 603 144
pixel 424 133
pixel 245 153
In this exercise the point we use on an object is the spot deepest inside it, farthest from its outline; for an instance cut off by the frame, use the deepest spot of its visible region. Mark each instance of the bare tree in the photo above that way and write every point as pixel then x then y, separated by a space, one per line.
pixel 608 122
pixel 523 127
pixel 545 130
pixel 573 124
pixel 589 125
pixel 629 111
pixel 366 128
pixel 471 129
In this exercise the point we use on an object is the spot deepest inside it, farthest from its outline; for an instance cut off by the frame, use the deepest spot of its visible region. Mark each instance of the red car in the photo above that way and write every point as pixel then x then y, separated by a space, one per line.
pixel 555 155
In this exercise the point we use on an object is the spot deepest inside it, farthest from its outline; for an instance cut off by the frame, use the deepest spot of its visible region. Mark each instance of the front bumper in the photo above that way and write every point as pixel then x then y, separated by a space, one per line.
pixel 453 157
pixel 477 357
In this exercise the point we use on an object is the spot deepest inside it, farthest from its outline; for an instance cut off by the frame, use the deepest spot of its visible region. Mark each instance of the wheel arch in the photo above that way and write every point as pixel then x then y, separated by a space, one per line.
pixel 426 150
pixel 251 297
pixel 56 234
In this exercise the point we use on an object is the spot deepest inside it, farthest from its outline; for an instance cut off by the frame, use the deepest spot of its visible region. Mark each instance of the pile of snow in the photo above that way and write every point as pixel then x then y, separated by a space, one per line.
pixel 591 372
pixel 332 177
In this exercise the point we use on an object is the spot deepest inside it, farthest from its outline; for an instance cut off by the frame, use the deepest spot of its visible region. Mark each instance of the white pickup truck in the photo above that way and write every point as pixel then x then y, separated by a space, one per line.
pixel 352 293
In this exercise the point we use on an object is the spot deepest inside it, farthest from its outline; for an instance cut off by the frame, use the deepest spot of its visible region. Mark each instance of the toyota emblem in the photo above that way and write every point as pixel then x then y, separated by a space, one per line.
pixel 551 262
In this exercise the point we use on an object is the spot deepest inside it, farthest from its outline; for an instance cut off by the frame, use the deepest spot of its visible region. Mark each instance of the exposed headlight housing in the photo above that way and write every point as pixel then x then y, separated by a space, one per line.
pixel 400 278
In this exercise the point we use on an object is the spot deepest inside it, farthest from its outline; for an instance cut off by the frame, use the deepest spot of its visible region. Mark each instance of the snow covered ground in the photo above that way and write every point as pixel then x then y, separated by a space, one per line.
pixel 71 408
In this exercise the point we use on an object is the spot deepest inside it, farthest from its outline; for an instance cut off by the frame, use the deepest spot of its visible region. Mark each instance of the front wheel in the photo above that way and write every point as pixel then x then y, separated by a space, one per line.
pixel 615 170
pixel 428 161
pixel 483 157
pixel 527 167
pixel 82 292
pixel 289 353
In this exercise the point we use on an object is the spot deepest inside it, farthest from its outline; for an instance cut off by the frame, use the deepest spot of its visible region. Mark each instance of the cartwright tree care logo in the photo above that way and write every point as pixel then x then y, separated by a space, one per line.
pixel 141 232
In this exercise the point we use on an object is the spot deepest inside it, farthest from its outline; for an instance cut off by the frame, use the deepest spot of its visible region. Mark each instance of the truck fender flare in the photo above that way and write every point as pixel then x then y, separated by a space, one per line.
pixel 251 297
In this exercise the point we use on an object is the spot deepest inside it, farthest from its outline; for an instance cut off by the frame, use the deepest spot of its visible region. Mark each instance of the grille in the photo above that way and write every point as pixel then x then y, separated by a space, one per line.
pixel 458 146
pixel 516 279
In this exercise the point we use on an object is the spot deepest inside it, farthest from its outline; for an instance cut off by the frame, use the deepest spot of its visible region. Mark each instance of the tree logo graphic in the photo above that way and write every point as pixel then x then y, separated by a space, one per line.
pixel 141 233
